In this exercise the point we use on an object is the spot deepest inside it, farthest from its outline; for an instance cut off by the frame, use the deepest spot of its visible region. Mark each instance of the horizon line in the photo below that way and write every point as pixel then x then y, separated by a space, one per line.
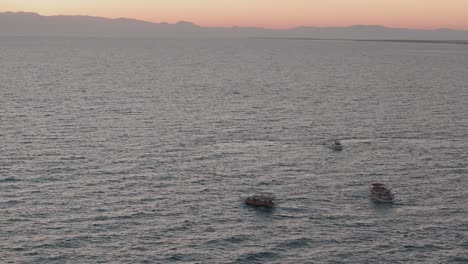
pixel 233 26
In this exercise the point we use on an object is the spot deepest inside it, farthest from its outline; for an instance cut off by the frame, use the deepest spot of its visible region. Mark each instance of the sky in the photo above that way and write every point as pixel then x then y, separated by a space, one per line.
pixel 422 14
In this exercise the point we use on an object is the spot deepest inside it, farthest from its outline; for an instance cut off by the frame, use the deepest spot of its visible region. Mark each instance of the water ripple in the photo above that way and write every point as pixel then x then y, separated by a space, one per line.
pixel 136 151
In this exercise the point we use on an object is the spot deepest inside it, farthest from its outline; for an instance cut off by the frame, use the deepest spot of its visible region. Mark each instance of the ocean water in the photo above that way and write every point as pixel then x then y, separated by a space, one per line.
pixel 139 151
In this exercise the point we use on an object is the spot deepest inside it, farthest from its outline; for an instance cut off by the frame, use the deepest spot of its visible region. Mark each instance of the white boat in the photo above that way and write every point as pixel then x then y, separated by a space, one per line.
pixel 336 145
pixel 380 193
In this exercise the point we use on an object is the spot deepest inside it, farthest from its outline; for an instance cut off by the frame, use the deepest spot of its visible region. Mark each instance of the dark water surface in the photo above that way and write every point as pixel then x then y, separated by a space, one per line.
pixel 137 151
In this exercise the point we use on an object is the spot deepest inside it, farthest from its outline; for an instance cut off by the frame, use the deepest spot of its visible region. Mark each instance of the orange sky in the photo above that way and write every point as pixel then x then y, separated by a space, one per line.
pixel 264 13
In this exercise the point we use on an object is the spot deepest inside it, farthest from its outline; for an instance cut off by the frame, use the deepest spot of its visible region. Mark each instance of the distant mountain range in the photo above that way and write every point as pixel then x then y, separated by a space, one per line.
pixel 32 24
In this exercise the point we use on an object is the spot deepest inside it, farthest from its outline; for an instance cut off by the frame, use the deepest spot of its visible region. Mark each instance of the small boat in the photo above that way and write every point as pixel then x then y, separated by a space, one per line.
pixel 336 145
pixel 380 193
pixel 260 200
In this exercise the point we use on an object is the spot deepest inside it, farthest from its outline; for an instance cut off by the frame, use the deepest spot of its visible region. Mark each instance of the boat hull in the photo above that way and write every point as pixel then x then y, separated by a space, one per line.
pixel 381 200
pixel 260 200
pixel 337 148
pixel 259 204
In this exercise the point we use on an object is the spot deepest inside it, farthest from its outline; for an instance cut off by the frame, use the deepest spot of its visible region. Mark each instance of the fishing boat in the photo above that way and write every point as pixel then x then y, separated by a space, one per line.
pixel 260 200
pixel 380 193
pixel 336 145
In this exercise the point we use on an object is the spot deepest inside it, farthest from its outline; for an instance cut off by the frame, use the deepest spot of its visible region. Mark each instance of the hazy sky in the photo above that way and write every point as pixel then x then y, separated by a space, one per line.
pixel 264 13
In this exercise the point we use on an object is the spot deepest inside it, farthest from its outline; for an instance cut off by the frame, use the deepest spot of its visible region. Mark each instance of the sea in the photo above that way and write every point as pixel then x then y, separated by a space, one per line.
pixel 141 150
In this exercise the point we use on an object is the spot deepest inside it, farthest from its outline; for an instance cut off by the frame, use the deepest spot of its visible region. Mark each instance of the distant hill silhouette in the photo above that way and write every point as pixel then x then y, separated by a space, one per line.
pixel 32 24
